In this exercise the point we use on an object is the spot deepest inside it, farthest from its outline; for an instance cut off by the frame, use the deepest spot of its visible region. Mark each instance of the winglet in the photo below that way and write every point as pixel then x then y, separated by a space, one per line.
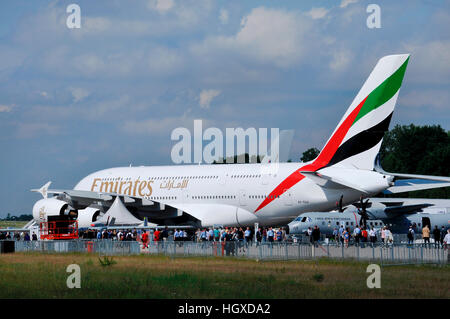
pixel 43 190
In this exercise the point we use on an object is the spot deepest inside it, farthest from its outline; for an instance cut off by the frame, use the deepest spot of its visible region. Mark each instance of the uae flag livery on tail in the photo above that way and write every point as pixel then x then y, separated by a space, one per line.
pixel 357 139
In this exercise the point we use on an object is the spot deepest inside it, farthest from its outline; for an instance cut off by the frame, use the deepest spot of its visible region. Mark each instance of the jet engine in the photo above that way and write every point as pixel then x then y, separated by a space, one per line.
pixel 52 207
pixel 87 216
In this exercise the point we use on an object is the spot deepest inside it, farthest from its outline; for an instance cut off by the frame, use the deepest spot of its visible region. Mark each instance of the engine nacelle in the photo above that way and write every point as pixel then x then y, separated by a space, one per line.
pixel 46 207
pixel 87 216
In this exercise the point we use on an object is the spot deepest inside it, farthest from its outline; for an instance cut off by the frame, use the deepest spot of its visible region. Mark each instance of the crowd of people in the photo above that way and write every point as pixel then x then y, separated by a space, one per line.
pixel 441 236
pixel 362 235
pixel 25 236
pixel 245 236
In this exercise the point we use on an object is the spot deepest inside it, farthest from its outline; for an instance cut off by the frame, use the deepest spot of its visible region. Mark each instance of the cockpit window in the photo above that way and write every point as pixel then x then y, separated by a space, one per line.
pixel 304 219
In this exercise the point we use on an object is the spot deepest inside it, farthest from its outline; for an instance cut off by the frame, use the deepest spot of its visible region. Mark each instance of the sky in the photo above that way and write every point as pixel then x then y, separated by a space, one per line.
pixel 108 94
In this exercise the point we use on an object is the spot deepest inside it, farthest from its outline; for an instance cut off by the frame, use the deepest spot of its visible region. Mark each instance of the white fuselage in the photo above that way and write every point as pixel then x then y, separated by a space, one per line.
pixel 243 186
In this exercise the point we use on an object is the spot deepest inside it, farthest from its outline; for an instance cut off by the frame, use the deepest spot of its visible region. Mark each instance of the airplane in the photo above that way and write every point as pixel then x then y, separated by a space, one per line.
pixel 244 194
pixel 396 213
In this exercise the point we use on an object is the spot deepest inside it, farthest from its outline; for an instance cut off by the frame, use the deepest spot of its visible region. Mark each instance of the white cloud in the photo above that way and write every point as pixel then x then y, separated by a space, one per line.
pixel 6 108
pixel 162 6
pixel 317 13
pixel 223 17
pixel 266 35
pixel 158 126
pixel 31 130
pixel 432 58
pixel 164 61
pixel 345 3
pixel 436 99
pixel 79 94
pixel 206 97
pixel 340 59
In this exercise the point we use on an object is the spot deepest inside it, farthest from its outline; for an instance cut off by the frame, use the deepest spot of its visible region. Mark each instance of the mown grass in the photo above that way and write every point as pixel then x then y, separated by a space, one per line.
pixel 12 224
pixel 34 275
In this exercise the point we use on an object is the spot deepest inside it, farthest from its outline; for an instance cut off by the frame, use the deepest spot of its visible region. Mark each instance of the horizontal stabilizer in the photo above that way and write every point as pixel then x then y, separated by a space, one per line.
pixel 321 179
pixel 406 209
pixel 410 185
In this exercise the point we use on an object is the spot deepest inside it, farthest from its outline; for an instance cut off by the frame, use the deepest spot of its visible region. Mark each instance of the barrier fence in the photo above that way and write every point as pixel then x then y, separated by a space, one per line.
pixel 383 254
pixel 104 247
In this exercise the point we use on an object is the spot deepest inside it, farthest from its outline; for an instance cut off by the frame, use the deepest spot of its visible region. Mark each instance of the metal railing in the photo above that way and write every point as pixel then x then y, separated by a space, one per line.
pixel 104 247
pixel 386 254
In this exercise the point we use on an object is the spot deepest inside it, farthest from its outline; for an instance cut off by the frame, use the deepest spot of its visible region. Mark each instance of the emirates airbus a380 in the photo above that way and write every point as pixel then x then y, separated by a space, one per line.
pixel 242 194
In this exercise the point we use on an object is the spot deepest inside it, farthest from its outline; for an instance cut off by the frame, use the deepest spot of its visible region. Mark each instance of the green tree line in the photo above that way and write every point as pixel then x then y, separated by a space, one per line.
pixel 412 149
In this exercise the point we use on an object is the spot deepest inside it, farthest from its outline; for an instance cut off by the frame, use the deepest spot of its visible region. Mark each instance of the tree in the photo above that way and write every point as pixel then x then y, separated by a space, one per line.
pixel 414 149
pixel 309 154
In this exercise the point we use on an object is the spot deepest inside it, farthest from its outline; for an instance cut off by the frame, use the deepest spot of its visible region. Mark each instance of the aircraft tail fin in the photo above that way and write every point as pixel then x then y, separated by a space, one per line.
pixel 357 139
pixel 43 190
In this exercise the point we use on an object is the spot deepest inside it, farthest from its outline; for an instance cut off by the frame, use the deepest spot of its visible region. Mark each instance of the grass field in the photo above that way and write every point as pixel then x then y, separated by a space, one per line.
pixel 34 275
pixel 12 224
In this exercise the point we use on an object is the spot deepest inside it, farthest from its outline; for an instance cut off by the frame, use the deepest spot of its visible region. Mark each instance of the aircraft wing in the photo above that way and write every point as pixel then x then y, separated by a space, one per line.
pixel 205 214
pixel 410 185
pixel 405 209
pixel 323 179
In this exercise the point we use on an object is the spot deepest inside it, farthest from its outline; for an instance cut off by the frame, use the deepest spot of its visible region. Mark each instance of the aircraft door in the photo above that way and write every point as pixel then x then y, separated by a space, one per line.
pixel 242 197
pixel 426 221
pixel 222 178
pixel 264 178
pixel 287 198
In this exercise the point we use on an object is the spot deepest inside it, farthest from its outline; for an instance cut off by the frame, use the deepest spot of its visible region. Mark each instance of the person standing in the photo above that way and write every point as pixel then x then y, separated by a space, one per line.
pixel 156 235
pixel 346 236
pixel 426 235
pixel 357 234
pixel 258 236
pixel 436 236
pixel 341 234
pixel 247 236
pixel 279 235
pixel 447 239
pixel 216 234
pixel 443 233
pixel 372 236
pixel 336 235
pixel 383 235
pixel 410 235
pixel 388 236
pixel 144 239
pixel 315 235
pixel 270 235
pixel 309 234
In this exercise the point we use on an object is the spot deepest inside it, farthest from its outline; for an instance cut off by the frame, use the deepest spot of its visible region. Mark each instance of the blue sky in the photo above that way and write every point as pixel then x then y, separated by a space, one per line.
pixel 73 101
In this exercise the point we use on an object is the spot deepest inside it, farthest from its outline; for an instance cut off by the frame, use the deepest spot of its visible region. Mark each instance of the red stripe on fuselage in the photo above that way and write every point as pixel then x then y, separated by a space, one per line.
pixel 322 160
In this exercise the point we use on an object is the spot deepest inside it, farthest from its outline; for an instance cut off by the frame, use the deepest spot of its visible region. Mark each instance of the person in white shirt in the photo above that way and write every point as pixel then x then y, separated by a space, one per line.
pixel 372 235
pixel 356 234
pixel 388 234
pixel 447 239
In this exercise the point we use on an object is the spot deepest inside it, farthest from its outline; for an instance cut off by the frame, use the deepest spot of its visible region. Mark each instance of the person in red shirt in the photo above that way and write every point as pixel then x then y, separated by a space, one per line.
pixel 144 239
pixel 156 235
